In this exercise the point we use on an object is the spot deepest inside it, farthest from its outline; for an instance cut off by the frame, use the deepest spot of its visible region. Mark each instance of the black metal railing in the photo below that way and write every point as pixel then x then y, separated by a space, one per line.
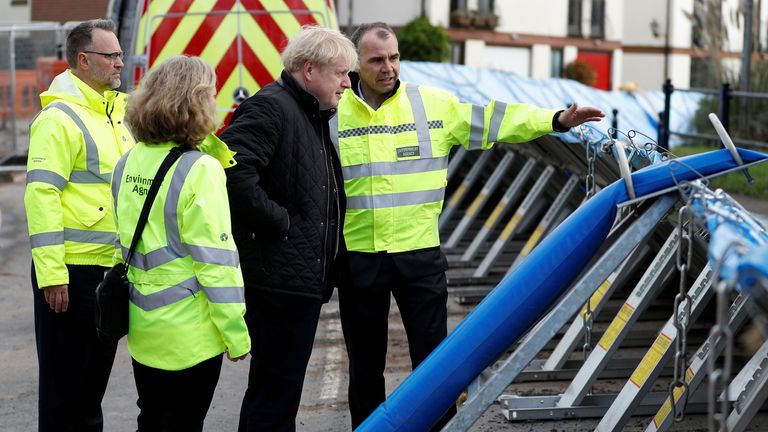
pixel 725 95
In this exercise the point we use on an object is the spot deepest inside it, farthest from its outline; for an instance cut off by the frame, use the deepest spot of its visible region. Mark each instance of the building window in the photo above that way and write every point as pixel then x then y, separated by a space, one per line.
pixel 574 18
pixel 457 53
pixel 556 63
pixel 598 19
pixel 485 6
pixel 458 5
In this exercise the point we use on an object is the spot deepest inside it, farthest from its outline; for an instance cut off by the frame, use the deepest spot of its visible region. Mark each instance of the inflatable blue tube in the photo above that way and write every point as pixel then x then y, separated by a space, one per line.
pixel 519 300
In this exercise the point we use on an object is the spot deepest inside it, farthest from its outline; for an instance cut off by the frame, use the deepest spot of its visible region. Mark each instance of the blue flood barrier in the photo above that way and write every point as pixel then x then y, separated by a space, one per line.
pixel 516 304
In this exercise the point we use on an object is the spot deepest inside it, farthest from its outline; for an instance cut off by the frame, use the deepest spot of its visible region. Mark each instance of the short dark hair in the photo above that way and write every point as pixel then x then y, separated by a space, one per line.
pixel 80 38
pixel 383 31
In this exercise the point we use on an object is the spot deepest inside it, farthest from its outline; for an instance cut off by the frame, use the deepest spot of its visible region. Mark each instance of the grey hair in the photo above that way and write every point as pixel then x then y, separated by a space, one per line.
pixel 319 45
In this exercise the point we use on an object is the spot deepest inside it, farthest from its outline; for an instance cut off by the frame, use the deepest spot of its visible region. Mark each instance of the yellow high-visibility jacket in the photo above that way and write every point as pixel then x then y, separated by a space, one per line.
pixel 395 159
pixel 75 142
pixel 186 289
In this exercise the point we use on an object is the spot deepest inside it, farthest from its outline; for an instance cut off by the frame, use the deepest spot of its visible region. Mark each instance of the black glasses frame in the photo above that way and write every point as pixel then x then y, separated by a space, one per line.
pixel 111 56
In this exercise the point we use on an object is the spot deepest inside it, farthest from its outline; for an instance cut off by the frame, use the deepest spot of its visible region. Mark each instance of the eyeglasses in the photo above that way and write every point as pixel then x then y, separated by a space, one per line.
pixel 112 57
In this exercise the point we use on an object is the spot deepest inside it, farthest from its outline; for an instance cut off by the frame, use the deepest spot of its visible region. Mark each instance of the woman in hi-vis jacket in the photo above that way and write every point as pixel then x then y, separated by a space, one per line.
pixel 186 290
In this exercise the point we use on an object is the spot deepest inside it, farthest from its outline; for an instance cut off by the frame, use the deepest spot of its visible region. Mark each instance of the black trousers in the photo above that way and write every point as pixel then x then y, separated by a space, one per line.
pixel 74 365
pixel 282 329
pixel 418 284
pixel 175 401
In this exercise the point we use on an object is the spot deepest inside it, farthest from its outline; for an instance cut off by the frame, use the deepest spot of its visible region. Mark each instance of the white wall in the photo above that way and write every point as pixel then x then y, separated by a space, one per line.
pixel 681 27
pixel 548 17
pixel 541 61
pixel 617 68
pixel 680 70
pixel 614 19
pixel 439 12
pixel 15 14
pixel 474 52
pixel 396 13
pixel 764 25
pixel 508 59
pixel 646 70
pixel 638 16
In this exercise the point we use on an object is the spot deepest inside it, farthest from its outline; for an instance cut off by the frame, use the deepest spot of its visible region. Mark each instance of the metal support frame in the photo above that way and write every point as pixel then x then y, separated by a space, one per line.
pixel 480 200
pixel 500 211
pixel 640 298
pixel 752 391
pixel 570 303
pixel 458 195
pixel 594 406
pixel 654 360
pixel 697 369
pixel 599 298
pixel 509 230
pixel 546 223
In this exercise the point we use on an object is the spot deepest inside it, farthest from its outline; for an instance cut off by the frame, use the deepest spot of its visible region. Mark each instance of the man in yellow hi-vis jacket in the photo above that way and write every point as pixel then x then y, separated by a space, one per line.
pixel 75 142
pixel 394 139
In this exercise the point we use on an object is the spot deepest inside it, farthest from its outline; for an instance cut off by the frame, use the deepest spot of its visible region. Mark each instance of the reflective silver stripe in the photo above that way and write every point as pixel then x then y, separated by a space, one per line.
pixel 212 255
pixel 86 236
pixel 174 249
pixel 395 200
pixel 47 239
pixel 91 150
pixel 499 108
pixel 420 118
pixel 46 176
pixel 151 260
pixel 169 295
pixel 477 128
pixel 384 129
pixel 117 174
pixel 333 128
pixel 413 166
pixel 86 177
pixel 172 235
pixel 225 294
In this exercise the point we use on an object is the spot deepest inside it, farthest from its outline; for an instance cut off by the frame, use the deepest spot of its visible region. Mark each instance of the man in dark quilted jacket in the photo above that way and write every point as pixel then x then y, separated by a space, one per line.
pixel 287 206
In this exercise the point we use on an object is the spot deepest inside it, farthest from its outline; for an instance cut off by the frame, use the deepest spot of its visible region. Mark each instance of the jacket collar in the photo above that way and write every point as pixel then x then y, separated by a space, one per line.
pixel 306 101
pixel 68 87
pixel 354 79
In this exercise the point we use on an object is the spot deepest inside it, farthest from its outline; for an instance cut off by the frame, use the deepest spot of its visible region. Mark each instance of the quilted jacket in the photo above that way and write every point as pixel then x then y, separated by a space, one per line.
pixel 285 193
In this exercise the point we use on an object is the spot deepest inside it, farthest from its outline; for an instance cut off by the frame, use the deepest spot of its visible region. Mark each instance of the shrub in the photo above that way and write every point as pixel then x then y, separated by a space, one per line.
pixel 419 40
pixel 580 71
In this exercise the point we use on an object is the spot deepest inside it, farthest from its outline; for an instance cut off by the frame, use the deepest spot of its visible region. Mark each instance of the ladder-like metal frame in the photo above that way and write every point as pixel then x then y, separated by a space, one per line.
pixel 510 229
pixel 569 305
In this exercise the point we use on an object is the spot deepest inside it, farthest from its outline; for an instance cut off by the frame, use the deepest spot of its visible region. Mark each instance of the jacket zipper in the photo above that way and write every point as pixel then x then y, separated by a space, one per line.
pixel 328 198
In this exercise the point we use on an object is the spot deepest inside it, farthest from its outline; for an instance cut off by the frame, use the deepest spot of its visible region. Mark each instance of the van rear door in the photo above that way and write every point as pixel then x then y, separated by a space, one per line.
pixel 241 39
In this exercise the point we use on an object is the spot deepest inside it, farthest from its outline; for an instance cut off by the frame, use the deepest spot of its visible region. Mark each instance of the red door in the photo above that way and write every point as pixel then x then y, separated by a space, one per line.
pixel 601 63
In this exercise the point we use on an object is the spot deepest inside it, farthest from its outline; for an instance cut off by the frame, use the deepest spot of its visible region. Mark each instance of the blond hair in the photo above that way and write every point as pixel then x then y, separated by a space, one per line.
pixel 172 102
pixel 319 45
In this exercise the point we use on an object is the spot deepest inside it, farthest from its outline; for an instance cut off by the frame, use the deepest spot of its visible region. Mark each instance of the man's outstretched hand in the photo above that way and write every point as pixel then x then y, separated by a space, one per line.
pixel 575 116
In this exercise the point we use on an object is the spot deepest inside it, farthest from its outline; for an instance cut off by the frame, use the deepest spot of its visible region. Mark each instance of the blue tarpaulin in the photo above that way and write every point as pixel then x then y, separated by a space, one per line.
pixel 638 111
